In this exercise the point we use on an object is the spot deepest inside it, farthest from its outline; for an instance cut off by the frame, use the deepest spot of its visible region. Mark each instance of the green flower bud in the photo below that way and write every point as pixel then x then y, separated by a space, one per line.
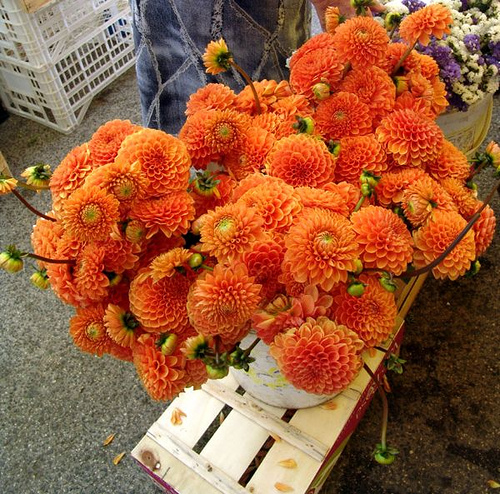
pixel 304 125
pixel 11 260
pixel 217 372
pixel 321 91
pixel 40 279
pixel 168 343
pixel 366 190
pixel 356 289
pixel 388 284
pixel 195 261
pixel 392 20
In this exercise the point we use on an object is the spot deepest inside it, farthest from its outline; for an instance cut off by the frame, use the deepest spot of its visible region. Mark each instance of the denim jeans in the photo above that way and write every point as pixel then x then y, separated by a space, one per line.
pixel 171 35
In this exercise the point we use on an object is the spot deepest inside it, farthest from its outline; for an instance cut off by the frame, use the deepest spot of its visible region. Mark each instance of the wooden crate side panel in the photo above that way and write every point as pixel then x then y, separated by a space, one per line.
pixel 31 6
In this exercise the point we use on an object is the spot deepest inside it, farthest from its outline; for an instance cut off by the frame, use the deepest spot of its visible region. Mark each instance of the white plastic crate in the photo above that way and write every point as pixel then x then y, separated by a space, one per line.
pixel 41 38
pixel 58 94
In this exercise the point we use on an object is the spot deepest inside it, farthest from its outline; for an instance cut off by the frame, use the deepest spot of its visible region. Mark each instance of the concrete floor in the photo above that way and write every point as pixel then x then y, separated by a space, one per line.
pixel 58 404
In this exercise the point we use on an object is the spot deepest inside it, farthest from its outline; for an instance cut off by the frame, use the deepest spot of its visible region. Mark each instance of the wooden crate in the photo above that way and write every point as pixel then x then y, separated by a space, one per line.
pixel 31 6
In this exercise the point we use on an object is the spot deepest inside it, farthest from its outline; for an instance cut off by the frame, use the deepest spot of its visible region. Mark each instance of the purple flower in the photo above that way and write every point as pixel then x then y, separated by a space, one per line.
pixel 413 5
pixel 492 61
pixel 465 5
pixel 456 102
pixel 494 49
pixel 472 42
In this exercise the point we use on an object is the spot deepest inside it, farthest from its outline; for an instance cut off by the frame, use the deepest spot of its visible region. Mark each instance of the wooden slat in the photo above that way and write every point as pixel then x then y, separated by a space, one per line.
pixel 4 167
pixel 249 408
pixel 31 6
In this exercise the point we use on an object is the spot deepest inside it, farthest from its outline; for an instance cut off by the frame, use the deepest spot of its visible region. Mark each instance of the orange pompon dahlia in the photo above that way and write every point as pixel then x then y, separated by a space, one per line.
pixel 70 174
pixel 293 288
pixel 162 158
pixel 168 263
pixel 409 102
pixel 107 139
pixel 45 238
pixel 333 19
pixel 318 66
pixel 197 373
pixel 276 202
pixel 358 154
pixel 390 189
pixel 229 231
pixel 311 197
pixel 160 306
pixel 222 302
pixel 7 184
pixel 62 283
pixel 318 42
pixel 422 198
pixel 171 214
pixel 484 229
pixel 360 41
pixel 119 253
pixel 372 316
pixel 209 190
pixel 90 214
pixel 432 20
pixel 374 87
pixel 464 198
pixel 431 92
pixel 249 157
pixel 122 327
pixel 428 66
pixel 384 239
pixel 451 163
pixel 290 106
pixel 213 96
pixel 88 331
pixel 410 138
pixel 91 282
pixel 321 248
pixel 301 160
pixel 162 374
pixel 268 92
pixel 217 57
pixel 320 356
pixel 264 264
pixel 250 182
pixel 432 239
pixel 343 115
pixel 349 192
pixel 156 245
pixel 393 55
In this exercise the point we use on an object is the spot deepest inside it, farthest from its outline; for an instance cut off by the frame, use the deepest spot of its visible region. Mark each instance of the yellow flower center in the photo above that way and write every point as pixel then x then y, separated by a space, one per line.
pixel 124 190
pixel 225 226
pixel 91 214
pixel 93 331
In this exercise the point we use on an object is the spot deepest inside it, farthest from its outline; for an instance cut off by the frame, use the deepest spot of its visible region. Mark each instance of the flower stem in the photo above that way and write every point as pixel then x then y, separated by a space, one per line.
pixel 476 171
pixel 32 187
pixel 250 83
pixel 402 59
pixel 385 407
pixel 246 353
pixel 47 259
pixel 30 207
pixel 359 204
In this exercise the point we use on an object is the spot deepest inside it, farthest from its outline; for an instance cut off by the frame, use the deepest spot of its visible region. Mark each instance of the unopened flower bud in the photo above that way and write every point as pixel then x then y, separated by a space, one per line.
pixel 195 261
pixel 388 284
pixel 334 147
pixel 40 279
pixel 11 260
pixel 7 184
pixel 356 289
pixel 401 84
pixel 474 268
pixel 38 175
pixel 304 125
pixel 197 224
pixel 217 372
pixel 321 91
pixel 392 20
pixel 492 153
pixel 168 343
pixel 366 190
pixel 359 266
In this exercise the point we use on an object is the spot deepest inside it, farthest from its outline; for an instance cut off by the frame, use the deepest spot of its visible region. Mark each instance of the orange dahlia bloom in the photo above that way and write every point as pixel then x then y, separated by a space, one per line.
pixel 319 357
pixel 422 198
pixel 326 199
pixel 321 248
pixel 88 331
pixel 91 281
pixel 211 97
pixel 428 66
pixel 332 19
pixel 318 66
pixel 45 237
pixel 372 86
pixel 390 189
pixel 290 106
pixel 358 154
pixel 484 229
pixel 409 102
pixel 343 115
pixel 163 376
pixel 121 352
pixel 163 159
pixel 372 316
pixel 360 41
pixel 464 198
pixel 167 263
pixel 122 327
pixel 384 239
pixel 7 184
pixel 317 42
pixel 230 230
pixel 197 373
pixel 250 182
pixel 156 245
pixel 171 214
pixel 107 139
pixel 90 214
pixel 349 192
pixel 217 57
pixel 451 163
pixel 276 202
pixel 70 174
pixel 160 306
pixel 435 236
pixel 431 92
pixel 410 138
pixel 119 253
pixel 301 160
pixel 393 55
pixel 221 302
pixel 211 190
pixel 268 92
pixel 62 283
pixel 432 20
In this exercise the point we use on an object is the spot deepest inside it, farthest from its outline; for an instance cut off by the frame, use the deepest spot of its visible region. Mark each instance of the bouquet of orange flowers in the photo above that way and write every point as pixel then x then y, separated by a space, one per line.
pixel 288 208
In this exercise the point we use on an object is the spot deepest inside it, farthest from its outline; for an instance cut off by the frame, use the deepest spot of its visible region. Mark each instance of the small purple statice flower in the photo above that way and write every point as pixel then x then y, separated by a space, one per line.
pixel 472 42
pixel 413 5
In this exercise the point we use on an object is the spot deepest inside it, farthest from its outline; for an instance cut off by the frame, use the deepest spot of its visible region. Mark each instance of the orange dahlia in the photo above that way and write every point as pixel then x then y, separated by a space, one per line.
pixel 319 357
pixel 217 57
pixel 122 327
pixel 7 184
pixel 320 41
pixel 70 174
pixel 333 18
pixel 301 160
pixel 432 20
pixel 343 115
pixel 276 202
pixel 326 199
pixel 62 283
pixel 360 41
pixel 107 139
pixel 230 230
pixel 168 263
pixel 484 229
pixel 422 198
pixel 197 373
pixel 372 316
pixel 409 102
pixel 45 237
pixel 160 306
pixel 321 248
pixel 209 190
pixel 389 190
pixel 393 55
pixel 90 214
pixel 250 182
pixel 431 92
pixel 163 159
pixel 88 331
pixel 156 245
pixel 358 154
pixel 121 352
pixel 451 163
pixel 432 239
pixel 374 87
pixel 162 375
pixel 268 92
pixel 221 302
pixel 211 97
pixel 410 138
pixel 428 66
pixel 319 66
pixel 464 198
pixel 119 254
pixel 349 192
pixel 171 214
pixel 290 106
pixel 91 281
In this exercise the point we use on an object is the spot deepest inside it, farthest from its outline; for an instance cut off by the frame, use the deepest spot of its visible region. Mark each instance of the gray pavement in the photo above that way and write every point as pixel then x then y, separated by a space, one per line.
pixel 58 404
